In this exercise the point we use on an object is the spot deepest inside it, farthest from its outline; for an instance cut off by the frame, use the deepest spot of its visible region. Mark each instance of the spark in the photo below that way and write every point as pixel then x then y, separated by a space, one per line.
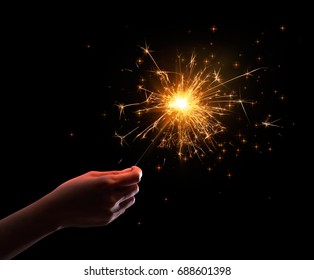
pixel 213 29
pixel 186 110
pixel 268 123
pixel 236 65
pixel 282 28
pixel 126 69
pixel 122 137
pixel 123 106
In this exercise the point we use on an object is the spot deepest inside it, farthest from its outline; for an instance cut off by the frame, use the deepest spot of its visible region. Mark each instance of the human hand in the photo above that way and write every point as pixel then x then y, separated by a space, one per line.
pixel 90 200
pixel 94 198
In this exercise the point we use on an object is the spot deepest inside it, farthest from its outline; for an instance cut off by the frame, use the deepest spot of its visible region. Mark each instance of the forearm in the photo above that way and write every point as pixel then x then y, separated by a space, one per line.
pixel 25 227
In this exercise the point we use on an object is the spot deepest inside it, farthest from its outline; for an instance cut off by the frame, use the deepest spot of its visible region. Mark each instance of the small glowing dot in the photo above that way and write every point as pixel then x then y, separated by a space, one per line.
pixel 213 29
pixel 139 61
pixel 158 167
pixel 236 65
pixel 256 146
pixel 282 28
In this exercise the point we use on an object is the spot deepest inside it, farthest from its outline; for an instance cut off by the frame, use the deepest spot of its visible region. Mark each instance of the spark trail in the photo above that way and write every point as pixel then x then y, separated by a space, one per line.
pixel 186 110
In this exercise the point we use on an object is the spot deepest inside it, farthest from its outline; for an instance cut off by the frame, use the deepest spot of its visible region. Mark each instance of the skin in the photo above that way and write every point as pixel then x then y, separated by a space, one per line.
pixel 91 200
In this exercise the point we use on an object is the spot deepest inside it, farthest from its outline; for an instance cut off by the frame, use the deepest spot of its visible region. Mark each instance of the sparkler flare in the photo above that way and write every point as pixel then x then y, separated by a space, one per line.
pixel 185 111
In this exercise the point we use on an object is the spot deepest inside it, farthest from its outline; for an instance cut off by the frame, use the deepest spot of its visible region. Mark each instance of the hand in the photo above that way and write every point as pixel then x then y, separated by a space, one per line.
pixel 95 198
pixel 92 199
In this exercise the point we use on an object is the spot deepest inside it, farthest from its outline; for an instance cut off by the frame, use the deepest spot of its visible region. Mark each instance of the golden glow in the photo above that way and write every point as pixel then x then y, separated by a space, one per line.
pixel 185 109
pixel 179 103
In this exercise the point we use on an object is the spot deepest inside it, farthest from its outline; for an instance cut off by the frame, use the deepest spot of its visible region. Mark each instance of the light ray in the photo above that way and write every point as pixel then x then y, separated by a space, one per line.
pixel 187 108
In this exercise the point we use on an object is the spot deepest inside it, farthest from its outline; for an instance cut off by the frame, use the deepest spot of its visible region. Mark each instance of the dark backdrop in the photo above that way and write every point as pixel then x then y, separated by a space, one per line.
pixel 63 72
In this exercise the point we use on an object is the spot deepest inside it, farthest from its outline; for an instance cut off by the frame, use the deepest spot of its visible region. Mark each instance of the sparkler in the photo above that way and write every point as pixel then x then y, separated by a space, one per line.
pixel 185 111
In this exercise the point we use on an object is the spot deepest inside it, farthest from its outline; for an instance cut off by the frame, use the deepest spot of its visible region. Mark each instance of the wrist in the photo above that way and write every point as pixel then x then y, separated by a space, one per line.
pixel 46 213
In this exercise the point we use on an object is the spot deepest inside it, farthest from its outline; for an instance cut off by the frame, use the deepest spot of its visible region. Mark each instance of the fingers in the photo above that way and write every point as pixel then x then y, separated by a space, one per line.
pixel 126 192
pixel 128 177
pixel 124 189
pixel 127 203
pixel 137 169
pixel 115 172
pixel 122 206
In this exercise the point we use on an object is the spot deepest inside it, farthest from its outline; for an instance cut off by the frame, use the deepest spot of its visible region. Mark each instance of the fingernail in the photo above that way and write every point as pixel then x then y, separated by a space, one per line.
pixel 141 174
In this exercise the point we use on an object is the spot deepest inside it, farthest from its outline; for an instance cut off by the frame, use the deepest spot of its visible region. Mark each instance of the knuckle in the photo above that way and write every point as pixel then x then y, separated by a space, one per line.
pixel 110 204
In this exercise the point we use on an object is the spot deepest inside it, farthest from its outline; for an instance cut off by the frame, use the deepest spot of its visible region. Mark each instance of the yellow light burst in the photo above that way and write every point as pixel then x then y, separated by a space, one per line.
pixel 186 109
pixel 180 103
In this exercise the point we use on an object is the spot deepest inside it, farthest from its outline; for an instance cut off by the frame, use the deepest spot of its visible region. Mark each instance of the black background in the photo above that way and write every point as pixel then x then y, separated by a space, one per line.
pixel 56 86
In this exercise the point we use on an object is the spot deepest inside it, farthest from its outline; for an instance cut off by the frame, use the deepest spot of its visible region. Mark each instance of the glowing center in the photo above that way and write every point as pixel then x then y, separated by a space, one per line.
pixel 180 103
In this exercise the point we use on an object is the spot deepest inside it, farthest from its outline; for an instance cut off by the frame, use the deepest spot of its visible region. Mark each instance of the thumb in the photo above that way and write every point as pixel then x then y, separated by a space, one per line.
pixel 130 177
